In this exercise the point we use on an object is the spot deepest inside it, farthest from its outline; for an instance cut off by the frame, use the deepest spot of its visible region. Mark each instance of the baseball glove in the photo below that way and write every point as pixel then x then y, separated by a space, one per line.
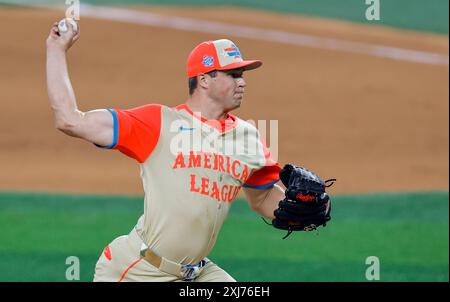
pixel 306 205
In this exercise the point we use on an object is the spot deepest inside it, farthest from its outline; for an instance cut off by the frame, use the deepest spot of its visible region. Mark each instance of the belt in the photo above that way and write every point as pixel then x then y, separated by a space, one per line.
pixel 187 272
pixel 151 257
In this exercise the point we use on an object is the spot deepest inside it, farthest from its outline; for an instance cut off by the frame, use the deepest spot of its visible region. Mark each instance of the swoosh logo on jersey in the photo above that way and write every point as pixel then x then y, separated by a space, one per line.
pixel 185 129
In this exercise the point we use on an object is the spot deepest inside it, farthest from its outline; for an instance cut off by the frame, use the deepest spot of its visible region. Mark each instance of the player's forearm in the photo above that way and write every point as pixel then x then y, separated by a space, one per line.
pixel 269 204
pixel 60 91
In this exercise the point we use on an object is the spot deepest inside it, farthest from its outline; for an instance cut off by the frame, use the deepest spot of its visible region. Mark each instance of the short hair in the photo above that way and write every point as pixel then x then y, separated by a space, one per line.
pixel 192 82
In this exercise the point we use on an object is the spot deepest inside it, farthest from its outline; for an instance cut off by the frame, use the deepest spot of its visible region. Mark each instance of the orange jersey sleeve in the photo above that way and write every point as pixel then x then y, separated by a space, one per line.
pixel 267 176
pixel 136 130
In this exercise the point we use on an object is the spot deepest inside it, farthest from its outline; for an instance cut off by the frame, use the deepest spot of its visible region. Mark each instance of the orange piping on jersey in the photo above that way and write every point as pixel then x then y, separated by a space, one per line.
pixel 128 268
pixel 221 125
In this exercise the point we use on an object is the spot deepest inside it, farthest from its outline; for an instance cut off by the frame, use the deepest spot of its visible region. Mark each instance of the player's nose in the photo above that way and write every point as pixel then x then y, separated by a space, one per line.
pixel 241 82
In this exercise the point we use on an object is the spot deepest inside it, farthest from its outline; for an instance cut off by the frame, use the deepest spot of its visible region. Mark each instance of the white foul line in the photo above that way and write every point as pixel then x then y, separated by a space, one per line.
pixel 188 24
pixel 180 23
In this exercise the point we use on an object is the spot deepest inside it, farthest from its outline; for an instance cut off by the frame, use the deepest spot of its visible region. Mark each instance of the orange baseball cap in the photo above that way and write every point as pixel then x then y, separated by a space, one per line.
pixel 217 55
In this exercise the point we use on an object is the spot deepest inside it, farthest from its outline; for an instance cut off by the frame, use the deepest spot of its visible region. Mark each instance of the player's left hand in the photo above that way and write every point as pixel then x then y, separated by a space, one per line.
pixel 306 205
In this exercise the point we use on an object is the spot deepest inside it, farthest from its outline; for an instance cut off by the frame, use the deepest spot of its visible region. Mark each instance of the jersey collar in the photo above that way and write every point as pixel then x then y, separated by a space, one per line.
pixel 222 125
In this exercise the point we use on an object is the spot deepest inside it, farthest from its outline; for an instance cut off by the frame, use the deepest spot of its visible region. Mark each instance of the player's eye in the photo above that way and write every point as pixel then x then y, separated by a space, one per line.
pixel 236 75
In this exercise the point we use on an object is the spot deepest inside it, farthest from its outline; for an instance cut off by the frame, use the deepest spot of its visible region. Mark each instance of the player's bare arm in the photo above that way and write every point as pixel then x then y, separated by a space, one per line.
pixel 95 126
pixel 265 201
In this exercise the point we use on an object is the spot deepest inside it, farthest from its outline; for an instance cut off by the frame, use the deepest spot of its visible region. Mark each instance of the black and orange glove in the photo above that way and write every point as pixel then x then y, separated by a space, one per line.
pixel 306 205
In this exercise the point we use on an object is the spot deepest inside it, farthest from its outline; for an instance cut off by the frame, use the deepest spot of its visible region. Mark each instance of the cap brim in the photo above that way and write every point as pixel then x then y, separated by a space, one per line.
pixel 247 65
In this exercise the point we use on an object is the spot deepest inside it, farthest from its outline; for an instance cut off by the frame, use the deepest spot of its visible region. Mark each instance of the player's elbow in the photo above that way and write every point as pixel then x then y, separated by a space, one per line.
pixel 265 211
pixel 63 124
pixel 258 207
pixel 68 121
pixel 60 125
pixel 255 206
pixel 67 126
pixel 265 202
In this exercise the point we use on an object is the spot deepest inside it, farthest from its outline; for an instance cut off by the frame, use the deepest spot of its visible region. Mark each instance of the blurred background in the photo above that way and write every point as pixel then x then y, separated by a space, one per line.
pixel 364 101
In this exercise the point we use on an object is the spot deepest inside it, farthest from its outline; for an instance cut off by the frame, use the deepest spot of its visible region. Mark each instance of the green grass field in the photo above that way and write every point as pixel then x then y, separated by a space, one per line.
pixel 408 232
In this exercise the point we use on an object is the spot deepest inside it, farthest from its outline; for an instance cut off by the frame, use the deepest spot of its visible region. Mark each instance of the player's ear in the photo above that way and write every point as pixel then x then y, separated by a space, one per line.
pixel 203 80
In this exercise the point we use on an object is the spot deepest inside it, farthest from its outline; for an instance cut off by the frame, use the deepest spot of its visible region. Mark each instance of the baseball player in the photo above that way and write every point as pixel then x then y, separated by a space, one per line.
pixel 194 158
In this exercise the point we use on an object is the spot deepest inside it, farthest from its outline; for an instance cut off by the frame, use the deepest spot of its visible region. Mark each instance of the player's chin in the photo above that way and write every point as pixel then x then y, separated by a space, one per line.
pixel 238 98
pixel 237 104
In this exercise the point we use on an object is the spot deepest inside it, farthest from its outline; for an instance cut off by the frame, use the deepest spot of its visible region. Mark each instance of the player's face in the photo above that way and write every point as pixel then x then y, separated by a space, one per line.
pixel 228 88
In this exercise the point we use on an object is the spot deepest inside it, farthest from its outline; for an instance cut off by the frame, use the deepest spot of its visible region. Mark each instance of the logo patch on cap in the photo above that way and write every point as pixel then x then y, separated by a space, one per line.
pixel 208 61
pixel 233 51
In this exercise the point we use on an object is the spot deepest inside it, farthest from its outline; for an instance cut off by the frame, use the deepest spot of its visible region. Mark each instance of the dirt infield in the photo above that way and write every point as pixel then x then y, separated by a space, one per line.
pixel 374 124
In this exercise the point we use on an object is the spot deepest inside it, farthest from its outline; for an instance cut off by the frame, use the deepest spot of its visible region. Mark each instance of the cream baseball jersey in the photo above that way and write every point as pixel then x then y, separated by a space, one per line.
pixel 191 169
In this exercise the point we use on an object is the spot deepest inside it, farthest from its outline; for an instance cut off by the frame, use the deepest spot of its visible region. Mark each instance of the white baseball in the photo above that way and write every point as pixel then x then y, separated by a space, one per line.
pixel 63 26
